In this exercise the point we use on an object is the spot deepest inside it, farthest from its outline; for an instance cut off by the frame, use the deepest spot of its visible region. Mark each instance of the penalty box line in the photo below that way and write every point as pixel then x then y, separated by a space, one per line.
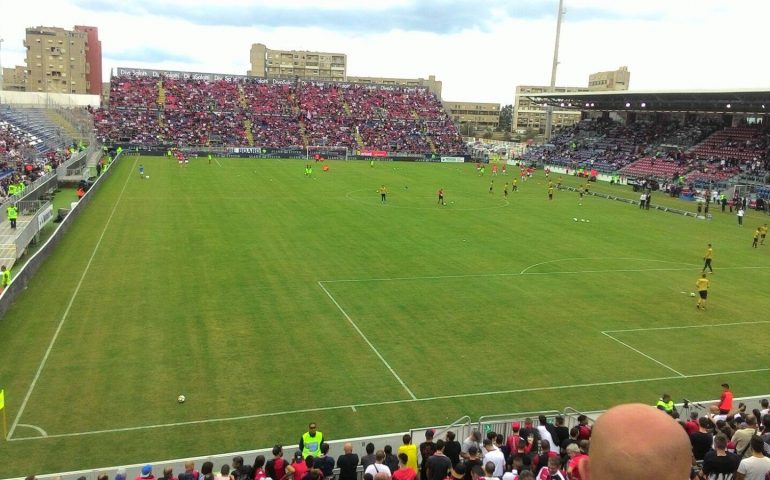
pixel 390 402
pixel 608 333
pixel 371 345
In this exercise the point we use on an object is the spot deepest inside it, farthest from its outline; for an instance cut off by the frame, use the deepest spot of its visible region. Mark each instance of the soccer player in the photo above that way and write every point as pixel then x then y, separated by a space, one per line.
pixel 141 171
pixel 702 284
pixel 580 194
pixel 505 191
pixel 514 186
pixel 558 182
pixel 441 196
pixel 757 233
pixel 383 194
pixel 550 192
pixel 763 233
pixel 494 170
pixel 491 185
pixel 707 259
pixel 210 157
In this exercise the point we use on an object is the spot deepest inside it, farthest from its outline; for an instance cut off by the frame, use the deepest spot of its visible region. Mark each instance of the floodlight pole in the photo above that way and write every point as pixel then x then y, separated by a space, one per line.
pixel 549 108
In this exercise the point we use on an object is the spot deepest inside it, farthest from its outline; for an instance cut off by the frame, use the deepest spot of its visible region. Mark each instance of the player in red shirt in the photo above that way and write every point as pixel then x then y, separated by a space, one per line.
pixel 725 400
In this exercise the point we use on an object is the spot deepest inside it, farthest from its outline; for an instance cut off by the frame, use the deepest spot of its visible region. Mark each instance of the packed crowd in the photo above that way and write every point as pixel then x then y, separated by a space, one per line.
pixel 702 151
pixel 20 161
pixel 239 112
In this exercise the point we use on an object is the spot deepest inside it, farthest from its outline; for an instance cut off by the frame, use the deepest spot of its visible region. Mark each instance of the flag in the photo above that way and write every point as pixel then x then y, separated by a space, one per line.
pixel 2 399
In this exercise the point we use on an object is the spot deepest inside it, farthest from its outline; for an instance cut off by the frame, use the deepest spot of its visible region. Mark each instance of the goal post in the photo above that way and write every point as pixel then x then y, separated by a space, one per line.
pixel 326 152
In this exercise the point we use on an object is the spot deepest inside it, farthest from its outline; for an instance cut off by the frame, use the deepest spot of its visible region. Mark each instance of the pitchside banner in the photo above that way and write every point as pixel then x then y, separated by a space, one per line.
pixel 452 159
pixel 373 153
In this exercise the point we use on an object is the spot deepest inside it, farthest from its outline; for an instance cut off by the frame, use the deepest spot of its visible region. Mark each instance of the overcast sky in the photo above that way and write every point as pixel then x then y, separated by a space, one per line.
pixel 480 49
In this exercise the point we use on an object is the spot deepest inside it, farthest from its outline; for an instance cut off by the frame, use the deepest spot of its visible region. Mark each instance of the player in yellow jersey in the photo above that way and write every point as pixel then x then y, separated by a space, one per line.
pixel 757 233
pixel 702 284
pixel 707 257
pixel 763 233
pixel 383 194
pixel 550 192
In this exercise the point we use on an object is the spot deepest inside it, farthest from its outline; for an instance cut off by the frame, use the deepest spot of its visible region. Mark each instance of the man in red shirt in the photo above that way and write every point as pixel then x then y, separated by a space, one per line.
pixel 403 472
pixel 725 400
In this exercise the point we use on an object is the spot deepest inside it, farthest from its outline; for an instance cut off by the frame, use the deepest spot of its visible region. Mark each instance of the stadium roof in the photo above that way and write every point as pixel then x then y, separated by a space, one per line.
pixel 756 101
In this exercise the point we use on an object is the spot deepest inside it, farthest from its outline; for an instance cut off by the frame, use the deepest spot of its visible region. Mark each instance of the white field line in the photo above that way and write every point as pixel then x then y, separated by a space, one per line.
pixel 69 307
pixel 217 162
pixel 513 274
pixel 391 402
pixel 374 349
pixel 643 354
pixel 707 325
pixel 604 258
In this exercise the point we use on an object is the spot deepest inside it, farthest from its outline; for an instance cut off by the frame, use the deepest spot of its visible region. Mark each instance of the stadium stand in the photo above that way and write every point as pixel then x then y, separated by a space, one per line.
pixel 570 429
pixel 248 112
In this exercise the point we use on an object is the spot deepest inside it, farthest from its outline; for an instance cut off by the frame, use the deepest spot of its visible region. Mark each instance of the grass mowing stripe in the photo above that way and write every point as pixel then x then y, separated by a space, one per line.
pixel 374 349
pixel 66 311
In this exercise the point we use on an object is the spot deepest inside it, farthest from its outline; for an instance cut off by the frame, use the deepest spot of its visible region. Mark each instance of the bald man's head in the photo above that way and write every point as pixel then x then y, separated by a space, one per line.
pixel 348 447
pixel 637 441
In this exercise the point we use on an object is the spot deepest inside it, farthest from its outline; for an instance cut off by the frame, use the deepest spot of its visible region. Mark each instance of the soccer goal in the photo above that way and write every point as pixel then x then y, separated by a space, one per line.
pixel 323 152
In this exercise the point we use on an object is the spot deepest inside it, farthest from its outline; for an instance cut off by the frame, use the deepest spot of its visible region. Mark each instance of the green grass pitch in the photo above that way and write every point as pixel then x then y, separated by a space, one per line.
pixel 271 299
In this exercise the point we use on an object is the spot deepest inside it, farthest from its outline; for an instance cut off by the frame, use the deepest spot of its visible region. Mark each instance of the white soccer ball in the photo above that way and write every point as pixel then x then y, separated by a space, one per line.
pixel 582 219
pixel 147 177
pixel 181 398
pixel 692 294
pixel 575 219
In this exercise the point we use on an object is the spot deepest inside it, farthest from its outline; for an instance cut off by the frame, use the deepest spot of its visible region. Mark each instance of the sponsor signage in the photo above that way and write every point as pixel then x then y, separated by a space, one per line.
pixel 374 153
pixel 452 159
pixel 45 216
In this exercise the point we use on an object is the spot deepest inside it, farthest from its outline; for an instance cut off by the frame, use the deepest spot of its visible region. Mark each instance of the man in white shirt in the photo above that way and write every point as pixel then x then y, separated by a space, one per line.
pixel 757 465
pixel 494 455
pixel 378 466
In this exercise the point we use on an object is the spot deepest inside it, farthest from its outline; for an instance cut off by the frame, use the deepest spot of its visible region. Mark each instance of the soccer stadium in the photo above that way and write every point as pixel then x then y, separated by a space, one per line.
pixel 224 276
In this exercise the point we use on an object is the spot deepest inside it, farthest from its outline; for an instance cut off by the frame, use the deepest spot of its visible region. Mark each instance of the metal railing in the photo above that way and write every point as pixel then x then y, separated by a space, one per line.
pixel 501 423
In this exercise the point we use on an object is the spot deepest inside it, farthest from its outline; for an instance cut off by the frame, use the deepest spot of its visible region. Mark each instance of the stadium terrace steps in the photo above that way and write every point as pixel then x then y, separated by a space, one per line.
pixel 61 122
pixel 359 140
pixel 161 94
pixel 247 130
pixel 242 98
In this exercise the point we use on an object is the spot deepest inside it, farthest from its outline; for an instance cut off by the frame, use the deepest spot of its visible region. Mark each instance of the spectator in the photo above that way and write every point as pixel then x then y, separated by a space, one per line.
pixel 660 447
pixel 408 448
pixel 756 466
pixel 404 472
pixel 146 473
pixel 275 468
pixel 370 457
pixel 240 470
pixel 324 462
pixel 452 448
pixel 378 466
pixel 742 437
pixel 258 468
pixel 719 463
pixel 348 463
pixel 438 465
pixel 390 460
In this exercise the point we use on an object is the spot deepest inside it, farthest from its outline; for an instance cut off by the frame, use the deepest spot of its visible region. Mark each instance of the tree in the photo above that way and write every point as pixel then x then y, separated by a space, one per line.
pixel 506 117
